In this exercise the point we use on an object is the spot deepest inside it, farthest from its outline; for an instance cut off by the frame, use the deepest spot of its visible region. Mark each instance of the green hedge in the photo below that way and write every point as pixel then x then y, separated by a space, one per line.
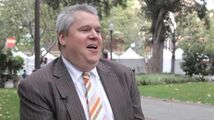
pixel 153 79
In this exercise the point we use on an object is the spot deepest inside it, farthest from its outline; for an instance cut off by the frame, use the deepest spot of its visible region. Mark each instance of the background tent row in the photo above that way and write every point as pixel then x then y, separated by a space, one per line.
pixel 129 58
pixel 137 63
pixel 29 61
pixel 132 60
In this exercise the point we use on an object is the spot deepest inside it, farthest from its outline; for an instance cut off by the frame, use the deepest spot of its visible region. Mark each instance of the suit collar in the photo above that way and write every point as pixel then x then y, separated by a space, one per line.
pixel 67 91
pixel 69 95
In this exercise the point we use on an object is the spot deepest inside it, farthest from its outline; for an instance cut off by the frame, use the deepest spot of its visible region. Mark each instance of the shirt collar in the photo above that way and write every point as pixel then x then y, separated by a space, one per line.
pixel 94 72
pixel 75 73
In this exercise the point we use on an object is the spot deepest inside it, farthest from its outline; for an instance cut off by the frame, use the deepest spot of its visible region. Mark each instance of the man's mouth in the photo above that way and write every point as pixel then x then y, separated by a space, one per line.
pixel 92 46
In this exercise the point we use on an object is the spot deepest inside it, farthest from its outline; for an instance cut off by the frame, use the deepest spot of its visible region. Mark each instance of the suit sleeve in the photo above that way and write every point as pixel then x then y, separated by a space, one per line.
pixel 135 97
pixel 33 105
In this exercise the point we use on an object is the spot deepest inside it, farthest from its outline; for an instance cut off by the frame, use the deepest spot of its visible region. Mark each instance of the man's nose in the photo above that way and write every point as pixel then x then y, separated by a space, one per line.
pixel 94 34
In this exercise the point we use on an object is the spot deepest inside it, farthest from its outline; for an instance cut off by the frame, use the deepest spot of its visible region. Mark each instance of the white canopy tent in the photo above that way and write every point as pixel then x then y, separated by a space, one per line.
pixel 167 60
pixel 130 54
pixel 178 53
pixel 132 60
pixel 49 56
pixel 31 63
pixel 114 55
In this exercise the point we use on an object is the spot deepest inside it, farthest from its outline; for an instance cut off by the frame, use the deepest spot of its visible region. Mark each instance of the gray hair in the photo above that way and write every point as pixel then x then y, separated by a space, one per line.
pixel 65 19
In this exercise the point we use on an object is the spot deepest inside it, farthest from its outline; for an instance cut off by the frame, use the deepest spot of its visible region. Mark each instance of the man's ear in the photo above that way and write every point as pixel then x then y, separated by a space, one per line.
pixel 62 39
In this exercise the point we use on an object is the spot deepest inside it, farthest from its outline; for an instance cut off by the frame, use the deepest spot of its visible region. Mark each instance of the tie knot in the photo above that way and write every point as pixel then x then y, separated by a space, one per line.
pixel 85 75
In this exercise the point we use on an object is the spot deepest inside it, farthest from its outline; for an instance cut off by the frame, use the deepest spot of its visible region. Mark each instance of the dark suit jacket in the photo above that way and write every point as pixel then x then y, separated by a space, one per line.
pixel 49 93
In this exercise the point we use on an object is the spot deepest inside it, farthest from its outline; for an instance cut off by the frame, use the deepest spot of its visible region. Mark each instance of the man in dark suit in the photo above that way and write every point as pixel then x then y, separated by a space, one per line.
pixel 79 85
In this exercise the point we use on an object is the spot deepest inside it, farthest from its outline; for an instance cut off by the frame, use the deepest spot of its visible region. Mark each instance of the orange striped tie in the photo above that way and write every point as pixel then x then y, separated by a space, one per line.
pixel 95 108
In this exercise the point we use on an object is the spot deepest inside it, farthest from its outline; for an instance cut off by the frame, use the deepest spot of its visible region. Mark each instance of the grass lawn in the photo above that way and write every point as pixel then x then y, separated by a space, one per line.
pixel 9 104
pixel 200 92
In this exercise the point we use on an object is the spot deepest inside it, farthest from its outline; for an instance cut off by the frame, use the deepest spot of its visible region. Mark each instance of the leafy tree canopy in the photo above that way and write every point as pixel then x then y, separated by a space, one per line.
pixel 103 6
pixel 128 23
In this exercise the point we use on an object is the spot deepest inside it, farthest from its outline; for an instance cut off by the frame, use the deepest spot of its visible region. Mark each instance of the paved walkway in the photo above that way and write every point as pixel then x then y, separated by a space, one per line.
pixel 156 109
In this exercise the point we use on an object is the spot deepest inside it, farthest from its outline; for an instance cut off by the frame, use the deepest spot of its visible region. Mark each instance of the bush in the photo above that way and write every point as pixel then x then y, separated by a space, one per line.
pixel 153 79
pixel 198 59
pixel 9 66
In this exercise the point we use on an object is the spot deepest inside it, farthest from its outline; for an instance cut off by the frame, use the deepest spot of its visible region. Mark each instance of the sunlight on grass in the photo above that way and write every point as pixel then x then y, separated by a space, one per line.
pixel 9 104
pixel 189 92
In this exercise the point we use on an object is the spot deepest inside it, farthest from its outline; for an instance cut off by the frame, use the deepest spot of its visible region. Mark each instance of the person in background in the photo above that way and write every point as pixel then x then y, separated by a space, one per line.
pixel 79 85
pixel 24 75
pixel 44 61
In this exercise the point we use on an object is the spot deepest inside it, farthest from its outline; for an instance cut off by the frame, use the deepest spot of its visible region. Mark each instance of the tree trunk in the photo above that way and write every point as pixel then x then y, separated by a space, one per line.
pixel 157 57
pixel 158 44
pixel 173 54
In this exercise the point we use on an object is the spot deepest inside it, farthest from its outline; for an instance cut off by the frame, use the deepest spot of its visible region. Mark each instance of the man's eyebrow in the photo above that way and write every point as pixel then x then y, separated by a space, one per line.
pixel 89 26
pixel 99 27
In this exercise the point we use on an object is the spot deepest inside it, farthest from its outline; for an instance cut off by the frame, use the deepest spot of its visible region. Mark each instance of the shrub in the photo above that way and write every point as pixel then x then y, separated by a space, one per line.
pixel 9 66
pixel 153 79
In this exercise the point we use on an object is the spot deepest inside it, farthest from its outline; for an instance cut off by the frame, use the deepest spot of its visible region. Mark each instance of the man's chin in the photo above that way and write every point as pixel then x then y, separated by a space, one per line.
pixel 93 61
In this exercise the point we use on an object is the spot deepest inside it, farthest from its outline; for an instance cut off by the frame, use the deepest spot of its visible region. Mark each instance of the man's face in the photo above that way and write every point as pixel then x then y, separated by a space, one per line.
pixel 82 45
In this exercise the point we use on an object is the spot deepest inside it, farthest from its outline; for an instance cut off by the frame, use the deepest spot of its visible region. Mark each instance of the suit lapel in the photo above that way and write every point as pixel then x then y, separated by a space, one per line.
pixel 67 91
pixel 112 88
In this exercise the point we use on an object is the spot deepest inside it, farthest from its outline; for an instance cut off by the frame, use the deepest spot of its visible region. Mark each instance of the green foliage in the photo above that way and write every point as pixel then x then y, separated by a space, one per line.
pixel 195 59
pixel 13 63
pixel 3 59
pixel 154 9
pixel 9 65
pixel 153 79
pixel 47 25
pixel 127 23
pixel 18 21
pixel 17 63
pixel 196 41
pixel 103 6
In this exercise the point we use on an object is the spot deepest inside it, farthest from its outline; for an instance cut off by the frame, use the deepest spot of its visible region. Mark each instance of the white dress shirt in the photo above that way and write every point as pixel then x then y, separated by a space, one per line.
pixel 76 76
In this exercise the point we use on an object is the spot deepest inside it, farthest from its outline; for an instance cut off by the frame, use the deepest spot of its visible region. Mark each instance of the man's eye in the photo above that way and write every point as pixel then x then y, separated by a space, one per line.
pixel 98 31
pixel 85 29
